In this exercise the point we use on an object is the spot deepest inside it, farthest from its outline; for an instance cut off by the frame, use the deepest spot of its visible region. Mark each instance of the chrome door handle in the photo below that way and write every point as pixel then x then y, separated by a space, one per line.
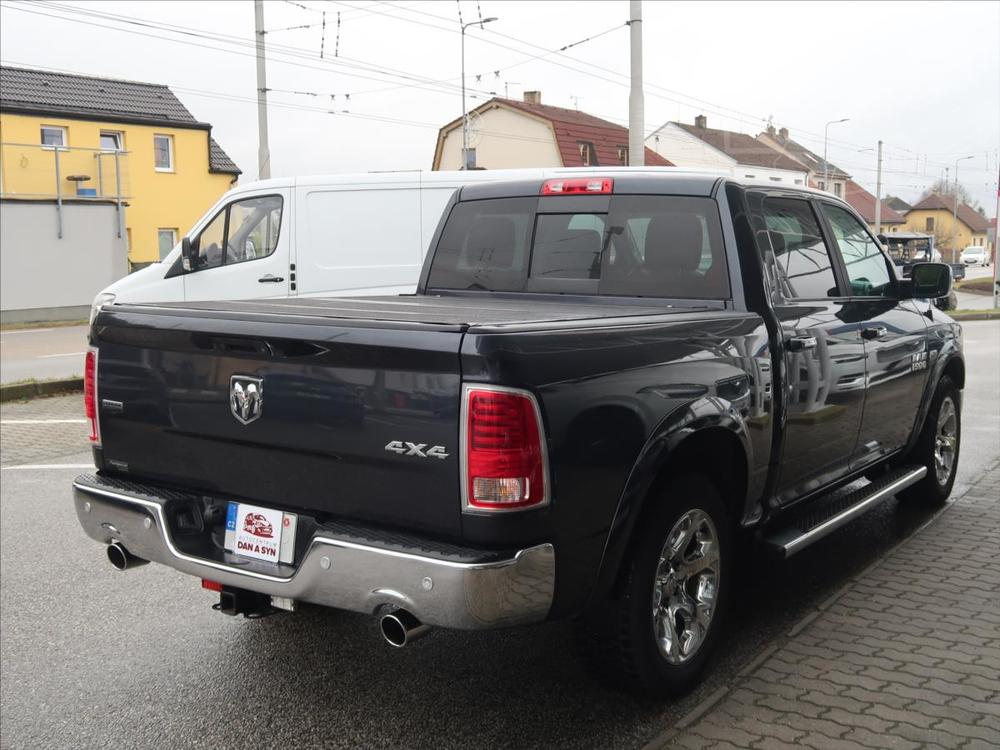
pixel 270 279
pixel 875 332
pixel 800 343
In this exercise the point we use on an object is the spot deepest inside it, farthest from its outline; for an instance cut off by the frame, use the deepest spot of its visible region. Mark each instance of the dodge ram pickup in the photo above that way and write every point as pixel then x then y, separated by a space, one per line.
pixel 601 389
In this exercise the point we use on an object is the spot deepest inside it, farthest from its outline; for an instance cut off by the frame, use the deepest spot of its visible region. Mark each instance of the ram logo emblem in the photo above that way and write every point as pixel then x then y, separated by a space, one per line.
pixel 420 450
pixel 246 398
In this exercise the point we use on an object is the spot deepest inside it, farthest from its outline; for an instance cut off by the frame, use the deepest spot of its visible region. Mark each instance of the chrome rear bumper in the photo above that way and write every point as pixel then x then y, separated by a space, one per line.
pixel 335 572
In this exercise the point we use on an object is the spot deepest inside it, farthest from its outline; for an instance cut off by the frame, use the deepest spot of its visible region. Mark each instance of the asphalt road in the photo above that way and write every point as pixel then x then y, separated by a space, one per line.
pixel 42 353
pixel 93 658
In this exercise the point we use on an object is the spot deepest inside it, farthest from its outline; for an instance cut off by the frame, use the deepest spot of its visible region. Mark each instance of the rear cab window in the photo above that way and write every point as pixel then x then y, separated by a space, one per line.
pixel 618 245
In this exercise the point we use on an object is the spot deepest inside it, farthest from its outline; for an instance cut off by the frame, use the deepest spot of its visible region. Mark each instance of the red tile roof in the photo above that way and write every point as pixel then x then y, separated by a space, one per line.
pixel 744 148
pixel 864 203
pixel 571 127
pixel 966 213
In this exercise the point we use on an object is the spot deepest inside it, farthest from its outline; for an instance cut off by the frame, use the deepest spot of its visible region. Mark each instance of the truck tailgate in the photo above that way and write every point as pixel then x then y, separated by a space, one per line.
pixel 334 395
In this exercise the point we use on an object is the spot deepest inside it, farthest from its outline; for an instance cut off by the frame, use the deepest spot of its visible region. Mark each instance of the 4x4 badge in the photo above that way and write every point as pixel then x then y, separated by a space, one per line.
pixel 246 398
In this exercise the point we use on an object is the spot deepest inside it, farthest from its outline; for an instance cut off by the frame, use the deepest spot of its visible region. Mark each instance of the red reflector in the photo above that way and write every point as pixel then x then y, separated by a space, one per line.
pixel 90 395
pixel 211 585
pixel 578 186
pixel 505 456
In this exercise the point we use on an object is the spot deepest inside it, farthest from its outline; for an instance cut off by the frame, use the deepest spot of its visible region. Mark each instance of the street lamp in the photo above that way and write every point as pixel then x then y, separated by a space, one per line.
pixel 826 165
pixel 465 114
pixel 954 205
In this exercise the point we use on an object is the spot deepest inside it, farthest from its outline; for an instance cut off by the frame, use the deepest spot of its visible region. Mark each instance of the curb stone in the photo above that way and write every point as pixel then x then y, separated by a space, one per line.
pixel 34 389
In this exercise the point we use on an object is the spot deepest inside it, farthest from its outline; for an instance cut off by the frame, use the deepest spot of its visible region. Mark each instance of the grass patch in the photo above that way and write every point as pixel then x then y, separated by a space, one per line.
pixel 42 324
pixel 993 314
pixel 976 286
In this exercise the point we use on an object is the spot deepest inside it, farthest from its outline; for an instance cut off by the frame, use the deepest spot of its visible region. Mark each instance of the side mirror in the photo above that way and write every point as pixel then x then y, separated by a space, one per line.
pixel 930 280
pixel 189 254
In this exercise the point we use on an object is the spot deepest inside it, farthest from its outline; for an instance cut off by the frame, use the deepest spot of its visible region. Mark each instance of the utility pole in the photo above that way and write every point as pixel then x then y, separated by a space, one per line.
pixel 954 208
pixel 878 193
pixel 996 245
pixel 263 151
pixel 826 141
pixel 636 102
pixel 468 162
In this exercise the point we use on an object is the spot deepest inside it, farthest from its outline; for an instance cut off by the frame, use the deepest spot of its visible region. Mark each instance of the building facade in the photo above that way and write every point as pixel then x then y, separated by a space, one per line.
pixel 511 134
pixel 822 174
pixel 75 137
pixel 954 228
pixel 743 156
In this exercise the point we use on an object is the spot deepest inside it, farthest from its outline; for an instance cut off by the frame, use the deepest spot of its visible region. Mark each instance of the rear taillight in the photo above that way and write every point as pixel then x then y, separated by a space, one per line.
pixel 90 395
pixel 579 186
pixel 504 465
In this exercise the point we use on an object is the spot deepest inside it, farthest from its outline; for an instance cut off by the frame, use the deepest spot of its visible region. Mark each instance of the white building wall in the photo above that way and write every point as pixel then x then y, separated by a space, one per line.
pixel 685 150
pixel 507 139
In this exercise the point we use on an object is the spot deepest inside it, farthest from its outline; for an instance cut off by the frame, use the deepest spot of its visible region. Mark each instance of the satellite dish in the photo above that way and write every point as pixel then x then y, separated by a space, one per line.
pixel 475 129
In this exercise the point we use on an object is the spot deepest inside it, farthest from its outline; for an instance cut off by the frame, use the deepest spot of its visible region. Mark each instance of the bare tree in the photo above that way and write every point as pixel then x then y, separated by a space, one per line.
pixel 942 187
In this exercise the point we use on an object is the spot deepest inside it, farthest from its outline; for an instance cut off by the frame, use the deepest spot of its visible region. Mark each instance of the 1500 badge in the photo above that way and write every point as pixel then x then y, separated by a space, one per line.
pixel 420 450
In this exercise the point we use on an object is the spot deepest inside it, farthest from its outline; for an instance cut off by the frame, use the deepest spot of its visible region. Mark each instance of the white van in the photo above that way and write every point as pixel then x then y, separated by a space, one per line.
pixel 360 234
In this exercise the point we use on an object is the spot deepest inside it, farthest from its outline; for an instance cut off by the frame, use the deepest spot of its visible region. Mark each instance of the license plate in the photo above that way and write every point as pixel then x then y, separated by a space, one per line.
pixel 260 533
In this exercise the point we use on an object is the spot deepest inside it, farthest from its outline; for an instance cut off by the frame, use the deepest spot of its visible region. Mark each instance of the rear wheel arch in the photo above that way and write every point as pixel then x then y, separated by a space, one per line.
pixel 716 452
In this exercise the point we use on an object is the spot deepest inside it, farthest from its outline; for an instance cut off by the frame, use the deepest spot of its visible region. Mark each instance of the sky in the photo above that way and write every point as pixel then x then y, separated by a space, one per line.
pixel 924 77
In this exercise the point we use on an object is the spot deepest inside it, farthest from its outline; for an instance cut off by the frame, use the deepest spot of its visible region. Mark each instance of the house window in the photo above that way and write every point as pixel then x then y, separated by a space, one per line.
pixel 53 136
pixel 163 151
pixel 623 155
pixel 929 224
pixel 112 140
pixel 774 179
pixel 588 155
pixel 749 176
pixel 798 182
pixel 821 185
pixel 166 239
pixel 836 189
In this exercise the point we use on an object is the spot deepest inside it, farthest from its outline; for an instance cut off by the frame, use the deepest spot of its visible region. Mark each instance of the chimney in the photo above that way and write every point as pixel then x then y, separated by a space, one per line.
pixel 701 121
pixel 532 97
pixel 783 133
pixel 770 130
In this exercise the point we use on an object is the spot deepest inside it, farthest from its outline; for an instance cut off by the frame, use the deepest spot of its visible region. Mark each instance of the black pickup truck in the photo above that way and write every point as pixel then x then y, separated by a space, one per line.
pixel 600 388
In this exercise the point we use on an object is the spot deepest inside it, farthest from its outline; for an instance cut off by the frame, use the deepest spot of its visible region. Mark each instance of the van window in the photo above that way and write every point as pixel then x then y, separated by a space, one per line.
pixel 247 229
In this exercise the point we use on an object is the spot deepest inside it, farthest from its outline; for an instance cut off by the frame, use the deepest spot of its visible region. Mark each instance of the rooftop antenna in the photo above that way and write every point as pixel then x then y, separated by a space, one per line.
pixel 576 102
pixel 506 84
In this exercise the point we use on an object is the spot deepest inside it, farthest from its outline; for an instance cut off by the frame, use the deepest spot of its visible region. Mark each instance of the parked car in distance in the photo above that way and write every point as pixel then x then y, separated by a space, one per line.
pixel 599 387
pixel 975 255
pixel 310 236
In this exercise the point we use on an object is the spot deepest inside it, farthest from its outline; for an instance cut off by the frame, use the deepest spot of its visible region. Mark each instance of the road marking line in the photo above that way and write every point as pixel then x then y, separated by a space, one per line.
pixel 28 330
pixel 70 354
pixel 25 467
pixel 43 421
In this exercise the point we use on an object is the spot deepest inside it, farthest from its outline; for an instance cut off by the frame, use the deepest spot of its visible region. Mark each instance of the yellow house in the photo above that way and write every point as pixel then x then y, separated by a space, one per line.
pixel 71 137
pixel 936 214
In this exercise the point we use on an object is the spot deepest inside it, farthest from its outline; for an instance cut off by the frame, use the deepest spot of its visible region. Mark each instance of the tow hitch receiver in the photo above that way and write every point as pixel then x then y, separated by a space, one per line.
pixel 250 604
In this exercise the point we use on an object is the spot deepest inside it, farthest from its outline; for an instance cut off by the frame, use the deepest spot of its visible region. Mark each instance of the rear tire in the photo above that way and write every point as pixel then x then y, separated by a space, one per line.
pixel 655 635
pixel 937 448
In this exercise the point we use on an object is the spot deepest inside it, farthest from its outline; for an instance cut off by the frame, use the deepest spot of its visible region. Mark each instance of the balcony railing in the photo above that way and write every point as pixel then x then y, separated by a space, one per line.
pixel 32 172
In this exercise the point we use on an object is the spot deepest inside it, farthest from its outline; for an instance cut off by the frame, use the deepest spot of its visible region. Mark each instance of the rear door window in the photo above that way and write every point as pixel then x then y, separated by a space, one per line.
pixel 656 246
pixel 804 266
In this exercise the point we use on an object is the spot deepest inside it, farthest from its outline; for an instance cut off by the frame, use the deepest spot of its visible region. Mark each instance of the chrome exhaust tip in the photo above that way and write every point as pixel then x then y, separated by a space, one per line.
pixel 121 558
pixel 399 627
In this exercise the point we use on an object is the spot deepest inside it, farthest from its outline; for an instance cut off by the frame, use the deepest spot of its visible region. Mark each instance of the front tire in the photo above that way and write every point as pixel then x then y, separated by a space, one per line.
pixel 938 447
pixel 656 634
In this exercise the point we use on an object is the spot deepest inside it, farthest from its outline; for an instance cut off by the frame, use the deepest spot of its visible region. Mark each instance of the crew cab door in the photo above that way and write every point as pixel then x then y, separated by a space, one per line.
pixel 894 334
pixel 243 251
pixel 824 357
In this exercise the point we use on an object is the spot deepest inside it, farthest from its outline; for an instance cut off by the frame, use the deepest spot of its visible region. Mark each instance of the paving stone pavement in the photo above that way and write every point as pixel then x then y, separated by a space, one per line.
pixel 26 437
pixel 906 656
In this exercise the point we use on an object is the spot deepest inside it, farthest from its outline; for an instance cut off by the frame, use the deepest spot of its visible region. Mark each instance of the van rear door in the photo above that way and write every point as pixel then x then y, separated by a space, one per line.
pixel 244 250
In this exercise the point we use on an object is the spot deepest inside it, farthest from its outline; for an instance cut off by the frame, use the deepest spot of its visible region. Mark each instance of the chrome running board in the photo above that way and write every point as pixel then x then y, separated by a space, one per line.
pixel 817 522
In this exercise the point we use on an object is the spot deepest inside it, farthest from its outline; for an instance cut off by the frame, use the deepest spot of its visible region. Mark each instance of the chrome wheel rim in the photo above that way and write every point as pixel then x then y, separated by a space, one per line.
pixel 945 441
pixel 686 586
